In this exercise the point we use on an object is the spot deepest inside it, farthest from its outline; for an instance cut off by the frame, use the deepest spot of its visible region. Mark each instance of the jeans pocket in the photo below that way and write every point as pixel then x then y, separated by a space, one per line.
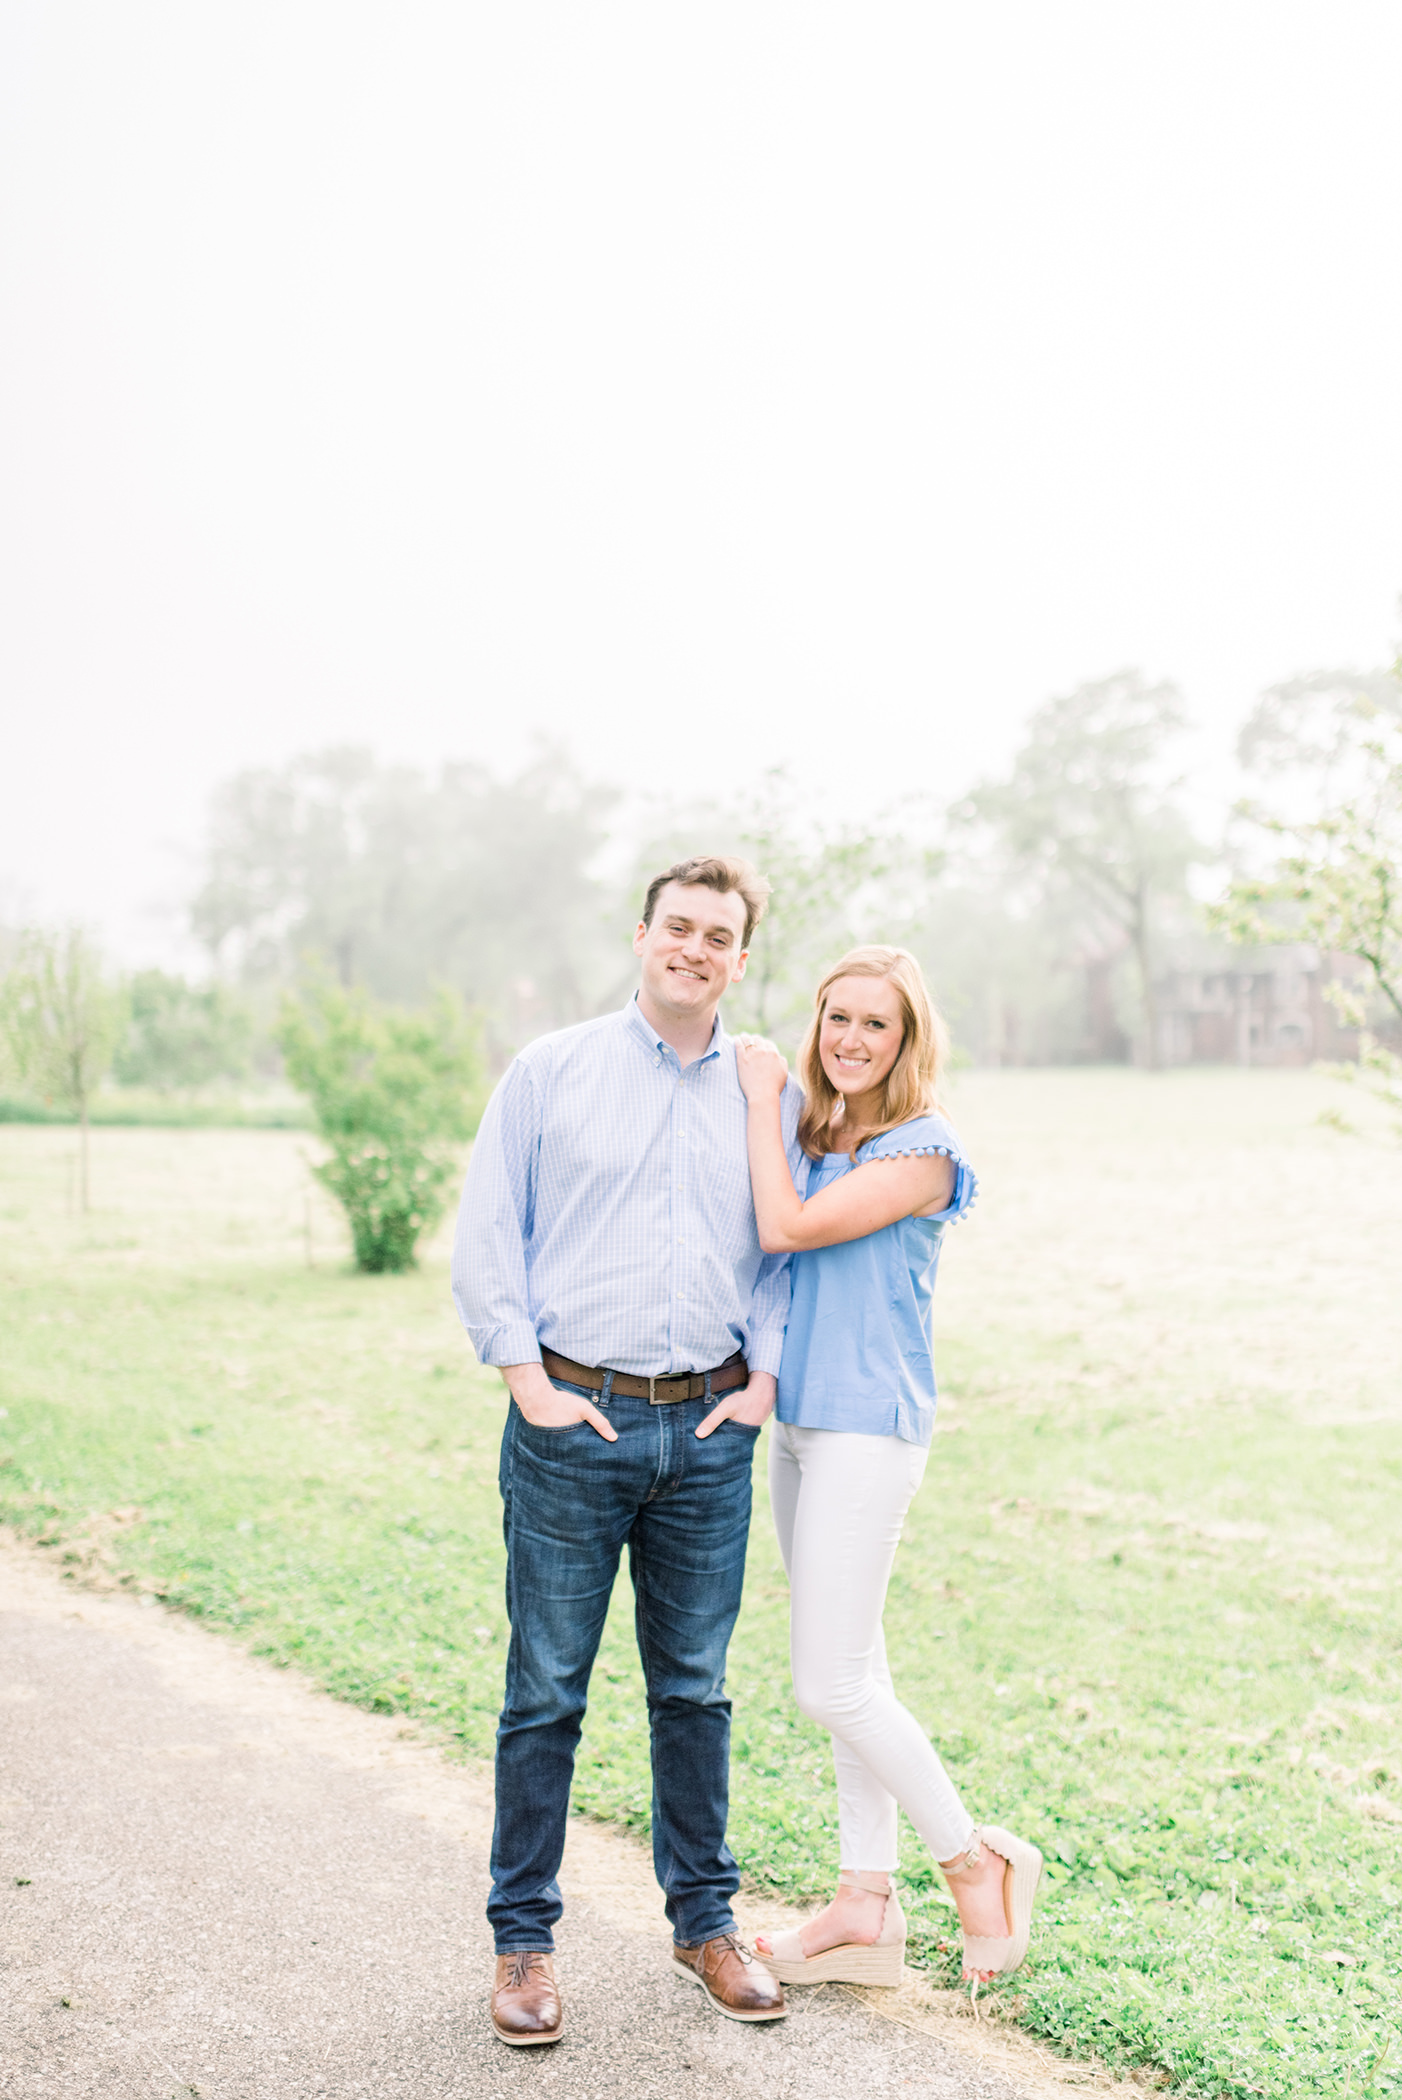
pixel 732 1444
pixel 575 1392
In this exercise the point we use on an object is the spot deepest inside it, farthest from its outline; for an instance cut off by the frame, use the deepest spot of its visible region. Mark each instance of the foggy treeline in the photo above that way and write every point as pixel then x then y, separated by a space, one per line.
pixel 1049 905
pixel 1054 907
pixel 1034 902
pixel 400 880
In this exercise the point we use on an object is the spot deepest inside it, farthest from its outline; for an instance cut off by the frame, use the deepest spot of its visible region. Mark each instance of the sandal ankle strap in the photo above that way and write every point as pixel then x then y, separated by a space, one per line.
pixel 874 1884
pixel 973 1854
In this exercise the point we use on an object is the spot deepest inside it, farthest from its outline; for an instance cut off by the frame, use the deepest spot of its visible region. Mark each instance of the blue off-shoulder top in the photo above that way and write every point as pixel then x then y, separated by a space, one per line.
pixel 857 1352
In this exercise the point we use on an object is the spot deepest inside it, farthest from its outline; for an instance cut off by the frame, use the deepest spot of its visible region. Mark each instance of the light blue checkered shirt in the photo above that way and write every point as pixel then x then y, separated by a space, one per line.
pixel 607 1209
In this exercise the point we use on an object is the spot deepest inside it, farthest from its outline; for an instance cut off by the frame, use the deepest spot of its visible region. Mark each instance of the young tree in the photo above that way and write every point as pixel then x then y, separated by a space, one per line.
pixel 61 1017
pixel 1339 881
pixel 395 1095
pixel 1088 815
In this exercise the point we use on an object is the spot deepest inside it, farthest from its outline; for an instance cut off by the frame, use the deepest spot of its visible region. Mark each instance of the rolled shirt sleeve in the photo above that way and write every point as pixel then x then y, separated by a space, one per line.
pixel 495 1223
pixel 769 1315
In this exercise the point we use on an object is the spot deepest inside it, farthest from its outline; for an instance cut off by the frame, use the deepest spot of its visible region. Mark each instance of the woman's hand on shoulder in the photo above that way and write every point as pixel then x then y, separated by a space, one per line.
pixel 763 1070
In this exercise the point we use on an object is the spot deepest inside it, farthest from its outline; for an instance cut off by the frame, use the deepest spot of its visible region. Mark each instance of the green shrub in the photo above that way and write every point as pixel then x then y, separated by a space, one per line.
pixel 394 1095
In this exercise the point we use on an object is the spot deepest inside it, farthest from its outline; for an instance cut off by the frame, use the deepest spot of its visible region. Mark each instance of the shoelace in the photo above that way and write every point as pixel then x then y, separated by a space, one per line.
pixel 521 1965
pixel 735 1943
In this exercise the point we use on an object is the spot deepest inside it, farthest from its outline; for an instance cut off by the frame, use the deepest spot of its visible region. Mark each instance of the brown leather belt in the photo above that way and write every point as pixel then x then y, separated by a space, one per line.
pixel 661 1392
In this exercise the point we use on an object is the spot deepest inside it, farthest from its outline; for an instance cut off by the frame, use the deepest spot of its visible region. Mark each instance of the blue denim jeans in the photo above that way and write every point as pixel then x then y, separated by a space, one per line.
pixel 571 1501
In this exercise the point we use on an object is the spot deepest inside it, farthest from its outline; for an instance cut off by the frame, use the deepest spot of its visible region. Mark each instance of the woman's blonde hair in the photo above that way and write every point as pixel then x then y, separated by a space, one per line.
pixel 911 1083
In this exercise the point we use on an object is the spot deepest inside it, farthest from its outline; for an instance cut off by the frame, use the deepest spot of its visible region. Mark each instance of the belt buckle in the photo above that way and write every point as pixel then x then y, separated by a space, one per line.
pixel 654 1399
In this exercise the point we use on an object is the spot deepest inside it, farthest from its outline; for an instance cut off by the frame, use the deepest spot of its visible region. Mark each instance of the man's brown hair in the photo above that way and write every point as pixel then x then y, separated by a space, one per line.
pixel 714 871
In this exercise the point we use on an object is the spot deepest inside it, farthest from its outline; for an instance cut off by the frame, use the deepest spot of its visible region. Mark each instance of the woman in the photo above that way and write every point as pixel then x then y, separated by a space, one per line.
pixel 855 1415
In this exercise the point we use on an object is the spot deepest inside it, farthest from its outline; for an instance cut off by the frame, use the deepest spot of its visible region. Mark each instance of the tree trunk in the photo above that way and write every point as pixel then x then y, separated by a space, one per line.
pixel 1139 934
pixel 1243 1017
pixel 996 1027
pixel 83 1155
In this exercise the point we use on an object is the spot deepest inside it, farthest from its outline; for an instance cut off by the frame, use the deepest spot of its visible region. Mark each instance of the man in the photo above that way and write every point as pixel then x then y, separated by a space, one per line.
pixel 607 1261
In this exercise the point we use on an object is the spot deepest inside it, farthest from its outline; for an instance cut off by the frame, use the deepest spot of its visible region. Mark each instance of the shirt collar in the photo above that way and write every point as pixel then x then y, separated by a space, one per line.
pixel 634 1018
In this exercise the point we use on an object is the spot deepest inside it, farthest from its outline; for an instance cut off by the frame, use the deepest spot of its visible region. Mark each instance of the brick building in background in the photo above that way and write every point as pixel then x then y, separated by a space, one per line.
pixel 1255 1006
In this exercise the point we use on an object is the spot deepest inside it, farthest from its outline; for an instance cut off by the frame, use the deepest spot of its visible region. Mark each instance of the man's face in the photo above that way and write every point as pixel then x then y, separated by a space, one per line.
pixel 691 952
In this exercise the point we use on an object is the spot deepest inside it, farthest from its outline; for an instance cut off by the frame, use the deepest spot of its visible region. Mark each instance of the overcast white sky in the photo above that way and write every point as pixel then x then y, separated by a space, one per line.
pixel 703 385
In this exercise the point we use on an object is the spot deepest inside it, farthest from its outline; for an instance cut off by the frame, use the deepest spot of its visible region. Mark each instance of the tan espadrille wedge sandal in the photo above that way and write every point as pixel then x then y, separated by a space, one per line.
pixel 879 1963
pixel 1022 1873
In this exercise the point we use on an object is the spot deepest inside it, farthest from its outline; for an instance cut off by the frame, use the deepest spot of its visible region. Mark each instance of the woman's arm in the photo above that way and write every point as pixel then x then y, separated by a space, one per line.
pixel 863 1201
pixel 872 1196
pixel 778 1205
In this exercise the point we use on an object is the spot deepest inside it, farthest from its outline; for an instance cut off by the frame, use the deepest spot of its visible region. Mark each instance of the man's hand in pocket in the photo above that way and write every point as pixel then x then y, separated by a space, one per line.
pixel 751 1404
pixel 547 1408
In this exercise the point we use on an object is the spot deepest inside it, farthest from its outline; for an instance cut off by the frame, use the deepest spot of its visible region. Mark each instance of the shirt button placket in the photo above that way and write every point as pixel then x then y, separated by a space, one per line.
pixel 681 1339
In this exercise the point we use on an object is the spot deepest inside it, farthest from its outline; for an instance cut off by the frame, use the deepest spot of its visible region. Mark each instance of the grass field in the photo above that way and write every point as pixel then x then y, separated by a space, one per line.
pixel 1147 1606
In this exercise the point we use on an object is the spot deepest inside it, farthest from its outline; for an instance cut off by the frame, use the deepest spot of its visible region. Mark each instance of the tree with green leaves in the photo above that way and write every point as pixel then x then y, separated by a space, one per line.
pixel 403 880
pixel 819 877
pixel 1088 822
pixel 1307 735
pixel 395 1095
pixel 182 1035
pixel 832 886
pixel 61 1017
pixel 1338 881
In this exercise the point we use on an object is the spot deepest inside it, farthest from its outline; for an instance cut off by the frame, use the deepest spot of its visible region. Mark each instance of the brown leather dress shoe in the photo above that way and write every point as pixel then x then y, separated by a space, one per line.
pixel 526 2005
pixel 733 1978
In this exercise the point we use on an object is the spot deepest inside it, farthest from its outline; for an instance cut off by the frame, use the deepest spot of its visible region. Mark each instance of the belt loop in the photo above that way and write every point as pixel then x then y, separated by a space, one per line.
pixel 606 1389
pixel 708 1389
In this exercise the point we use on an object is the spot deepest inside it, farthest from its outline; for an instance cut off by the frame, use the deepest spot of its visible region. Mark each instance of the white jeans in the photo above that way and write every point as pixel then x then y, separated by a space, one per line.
pixel 839 1501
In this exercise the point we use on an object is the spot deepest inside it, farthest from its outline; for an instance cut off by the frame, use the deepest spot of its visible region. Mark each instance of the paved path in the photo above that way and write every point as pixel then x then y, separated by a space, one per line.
pixel 216 1881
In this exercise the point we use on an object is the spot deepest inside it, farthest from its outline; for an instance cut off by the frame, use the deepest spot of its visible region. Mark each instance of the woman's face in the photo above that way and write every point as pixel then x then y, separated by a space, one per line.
pixel 861 1034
